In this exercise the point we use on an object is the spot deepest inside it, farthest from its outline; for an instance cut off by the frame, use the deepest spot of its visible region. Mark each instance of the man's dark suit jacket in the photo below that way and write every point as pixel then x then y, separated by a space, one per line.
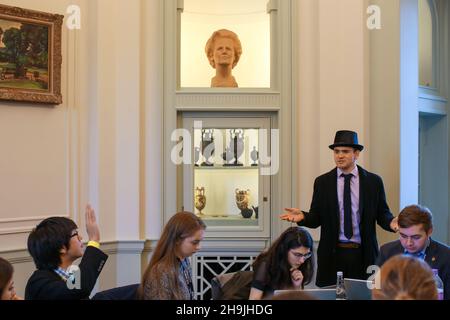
pixel 47 285
pixel 324 213
pixel 437 255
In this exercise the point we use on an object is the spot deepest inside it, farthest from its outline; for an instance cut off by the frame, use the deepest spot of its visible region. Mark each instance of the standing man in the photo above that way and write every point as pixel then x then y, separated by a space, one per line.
pixel 347 203
pixel 415 225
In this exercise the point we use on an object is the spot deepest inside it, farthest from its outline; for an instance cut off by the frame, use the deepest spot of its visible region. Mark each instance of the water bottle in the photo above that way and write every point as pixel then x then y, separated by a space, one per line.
pixel 439 284
pixel 340 289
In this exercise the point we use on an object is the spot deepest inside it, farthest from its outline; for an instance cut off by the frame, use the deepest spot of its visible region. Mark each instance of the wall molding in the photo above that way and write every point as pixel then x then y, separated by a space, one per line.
pixel 21 255
pixel 17 230
pixel 24 219
pixel 123 247
pixel 18 226
pixel 221 101
pixel 150 245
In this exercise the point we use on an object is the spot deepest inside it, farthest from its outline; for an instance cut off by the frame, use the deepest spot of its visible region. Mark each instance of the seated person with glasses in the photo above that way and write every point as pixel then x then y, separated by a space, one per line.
pixel 55 245
pixel 415 228
pixel 287 264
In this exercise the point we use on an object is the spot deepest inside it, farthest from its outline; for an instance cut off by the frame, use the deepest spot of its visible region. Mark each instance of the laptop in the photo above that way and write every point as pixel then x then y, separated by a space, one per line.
pixel 358 289
pixel 320 294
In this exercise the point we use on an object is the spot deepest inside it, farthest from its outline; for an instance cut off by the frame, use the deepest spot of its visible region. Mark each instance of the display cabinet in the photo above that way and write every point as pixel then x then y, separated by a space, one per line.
pixel 225 183
pixel 230 179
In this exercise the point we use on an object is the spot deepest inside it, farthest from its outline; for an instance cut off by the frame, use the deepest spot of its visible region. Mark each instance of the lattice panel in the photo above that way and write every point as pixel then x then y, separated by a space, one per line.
pixel 207 267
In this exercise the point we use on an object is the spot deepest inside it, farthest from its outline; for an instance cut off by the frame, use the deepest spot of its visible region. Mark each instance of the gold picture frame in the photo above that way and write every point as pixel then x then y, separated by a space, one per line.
pixel 30 55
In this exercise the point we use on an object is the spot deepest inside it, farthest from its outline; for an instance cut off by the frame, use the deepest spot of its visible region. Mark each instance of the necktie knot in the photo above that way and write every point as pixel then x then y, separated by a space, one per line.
pixel 347 176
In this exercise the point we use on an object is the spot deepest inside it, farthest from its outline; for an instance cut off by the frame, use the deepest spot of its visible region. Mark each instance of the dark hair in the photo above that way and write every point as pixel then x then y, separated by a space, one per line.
pixel 47 239
pixel 276 258
pixel 164 260
pixel 6 273
pixel 414 215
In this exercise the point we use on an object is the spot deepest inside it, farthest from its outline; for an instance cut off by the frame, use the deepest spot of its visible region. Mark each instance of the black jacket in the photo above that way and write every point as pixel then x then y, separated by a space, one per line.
pixel 437 255
pixel 47 285
pixel 324 213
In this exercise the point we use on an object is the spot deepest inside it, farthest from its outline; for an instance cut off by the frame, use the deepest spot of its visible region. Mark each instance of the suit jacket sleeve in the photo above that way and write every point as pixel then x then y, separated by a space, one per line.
pixel 382 257
pixel 384 215
pixel 52 288
pixel 312 218
pixel 445 275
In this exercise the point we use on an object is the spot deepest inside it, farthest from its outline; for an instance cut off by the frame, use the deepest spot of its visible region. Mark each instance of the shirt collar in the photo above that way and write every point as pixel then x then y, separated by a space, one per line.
pixel 421 254
pixel 62 273
pixel 354 172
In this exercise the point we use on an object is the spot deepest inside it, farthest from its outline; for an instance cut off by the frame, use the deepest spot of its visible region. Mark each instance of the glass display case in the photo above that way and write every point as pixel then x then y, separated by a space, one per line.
pixel 227 189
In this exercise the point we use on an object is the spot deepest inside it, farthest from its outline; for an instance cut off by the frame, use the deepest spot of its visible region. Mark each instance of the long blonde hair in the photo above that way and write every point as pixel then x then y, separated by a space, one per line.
pixel 406 278
pixel 164 260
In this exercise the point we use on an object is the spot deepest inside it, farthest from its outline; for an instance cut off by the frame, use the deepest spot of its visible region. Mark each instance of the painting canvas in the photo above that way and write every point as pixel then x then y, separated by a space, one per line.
pixel 30 55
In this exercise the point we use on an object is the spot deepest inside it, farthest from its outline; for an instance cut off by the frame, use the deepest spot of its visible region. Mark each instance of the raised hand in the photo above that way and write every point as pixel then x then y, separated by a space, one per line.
pixel 91 225
pixel 292 215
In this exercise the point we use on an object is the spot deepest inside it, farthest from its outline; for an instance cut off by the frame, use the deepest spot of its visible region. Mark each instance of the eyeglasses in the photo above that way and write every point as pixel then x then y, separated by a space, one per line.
pixel 304 256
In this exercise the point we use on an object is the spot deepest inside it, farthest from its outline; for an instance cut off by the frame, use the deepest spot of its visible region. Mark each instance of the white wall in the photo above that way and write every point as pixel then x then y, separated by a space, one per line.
pixel 331 85
pixel 92 148
pixel 36 167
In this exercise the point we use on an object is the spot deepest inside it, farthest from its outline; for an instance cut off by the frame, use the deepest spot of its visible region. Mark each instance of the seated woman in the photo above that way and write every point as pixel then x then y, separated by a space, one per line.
pixel 287 264
pixel 405 278
pixel 7 291
pixel 169 275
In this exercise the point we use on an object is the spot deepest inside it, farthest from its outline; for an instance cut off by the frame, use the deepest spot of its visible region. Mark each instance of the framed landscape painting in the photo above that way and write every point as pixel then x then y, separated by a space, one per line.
pixel 30 55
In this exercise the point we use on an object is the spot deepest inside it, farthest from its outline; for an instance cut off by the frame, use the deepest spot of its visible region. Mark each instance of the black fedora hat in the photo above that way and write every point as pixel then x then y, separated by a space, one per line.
pixel 346 138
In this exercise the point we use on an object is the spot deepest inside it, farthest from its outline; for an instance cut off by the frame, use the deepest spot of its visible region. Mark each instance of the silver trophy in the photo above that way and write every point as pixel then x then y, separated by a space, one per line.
pixel 255 156
pixel 236 147
pixel 207 146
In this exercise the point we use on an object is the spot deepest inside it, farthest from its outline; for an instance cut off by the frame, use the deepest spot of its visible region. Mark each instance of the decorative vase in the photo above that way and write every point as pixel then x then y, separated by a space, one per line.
pixel 256 211
pixel 200 199
pixel 242 199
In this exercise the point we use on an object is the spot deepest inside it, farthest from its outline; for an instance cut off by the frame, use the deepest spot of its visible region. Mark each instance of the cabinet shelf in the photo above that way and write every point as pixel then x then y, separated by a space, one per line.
pixel 229 221
pixel 226 168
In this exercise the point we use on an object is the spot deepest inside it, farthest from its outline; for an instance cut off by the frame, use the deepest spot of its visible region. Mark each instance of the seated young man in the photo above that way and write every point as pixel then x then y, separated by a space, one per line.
pixel 415 228
pixel 55 245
